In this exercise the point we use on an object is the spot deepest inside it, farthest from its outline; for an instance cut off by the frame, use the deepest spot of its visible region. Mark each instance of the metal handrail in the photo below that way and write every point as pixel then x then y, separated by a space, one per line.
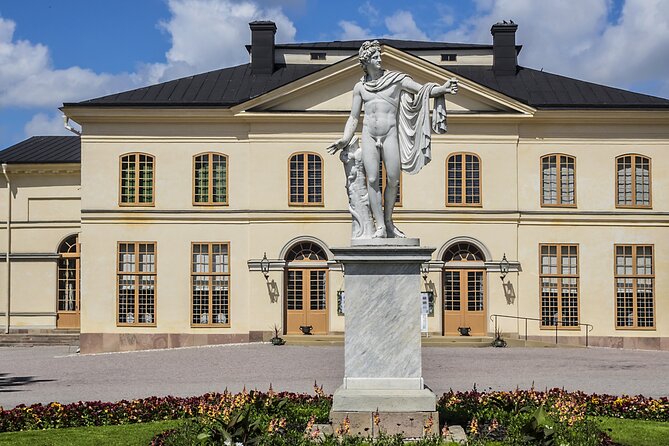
pixel 589 327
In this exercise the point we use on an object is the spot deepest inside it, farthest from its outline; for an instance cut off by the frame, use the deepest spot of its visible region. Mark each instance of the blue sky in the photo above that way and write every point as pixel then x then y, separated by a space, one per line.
pixel 53 51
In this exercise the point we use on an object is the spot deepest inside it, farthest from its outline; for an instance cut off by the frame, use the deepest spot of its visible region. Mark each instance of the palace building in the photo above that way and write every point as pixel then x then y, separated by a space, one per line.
pixel 202 210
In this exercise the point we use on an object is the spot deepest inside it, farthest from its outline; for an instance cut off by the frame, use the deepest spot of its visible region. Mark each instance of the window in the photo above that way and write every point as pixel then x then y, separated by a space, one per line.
pixel 69 274
pixel 558 180
pixel 317 56
pixel 136 277
pixel 137 173
pixel 210 179
pixel 383 180
pixel 559 285
pixel 210 284
pixel 633 181
pixel 463 186
pixel 306 180
pixel 449 57
pixel 635 303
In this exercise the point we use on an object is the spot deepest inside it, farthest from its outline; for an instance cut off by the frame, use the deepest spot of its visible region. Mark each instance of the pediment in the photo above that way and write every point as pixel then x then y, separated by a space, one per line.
pixel 331 89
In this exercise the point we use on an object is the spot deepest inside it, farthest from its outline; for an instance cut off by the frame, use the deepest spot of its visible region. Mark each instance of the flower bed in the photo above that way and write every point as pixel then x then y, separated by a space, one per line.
pixel 462 407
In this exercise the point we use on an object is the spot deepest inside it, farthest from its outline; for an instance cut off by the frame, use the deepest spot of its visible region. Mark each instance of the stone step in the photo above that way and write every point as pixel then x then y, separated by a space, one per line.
pixel 428 341
pixel 39 339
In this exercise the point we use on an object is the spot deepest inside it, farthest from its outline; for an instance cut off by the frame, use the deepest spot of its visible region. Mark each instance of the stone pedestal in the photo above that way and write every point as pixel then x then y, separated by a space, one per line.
pixel 382 351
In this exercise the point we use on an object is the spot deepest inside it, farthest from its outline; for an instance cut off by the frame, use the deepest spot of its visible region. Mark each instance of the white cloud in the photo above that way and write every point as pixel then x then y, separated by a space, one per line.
pixel 210 34
pixel 369 12
pixel 402 26
pixel 352 31
pixel 579 41
pixel 46 124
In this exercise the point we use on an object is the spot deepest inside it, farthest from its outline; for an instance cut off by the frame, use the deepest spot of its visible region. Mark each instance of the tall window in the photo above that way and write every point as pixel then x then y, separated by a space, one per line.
pixel 210 179
pixel 136 277
pixel 558 180
pixel 559 285
pixel 463 187
pixel 635 303
pixel 383 180
pixel 210 284
pixel 306 179
pixel 633 181
pixel 68 274
pixel 137 179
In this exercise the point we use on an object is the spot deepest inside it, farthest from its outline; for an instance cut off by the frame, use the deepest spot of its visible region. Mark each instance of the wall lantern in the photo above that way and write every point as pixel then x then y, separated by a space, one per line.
pixel 264 266
pixel 503 267
pixel 424 270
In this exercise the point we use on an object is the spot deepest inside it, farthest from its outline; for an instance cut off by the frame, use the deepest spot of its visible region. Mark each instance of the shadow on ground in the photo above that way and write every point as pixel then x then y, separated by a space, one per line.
pixel 10 383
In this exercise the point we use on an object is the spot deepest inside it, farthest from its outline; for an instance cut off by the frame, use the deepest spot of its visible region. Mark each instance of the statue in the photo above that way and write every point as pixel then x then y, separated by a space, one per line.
pixel 396 129
pixel 362 226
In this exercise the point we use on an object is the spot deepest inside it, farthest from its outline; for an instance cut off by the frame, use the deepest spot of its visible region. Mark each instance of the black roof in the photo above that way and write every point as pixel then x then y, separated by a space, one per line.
pixel 44 150
pixel 226 87
pixel 541 89
pixel 231 86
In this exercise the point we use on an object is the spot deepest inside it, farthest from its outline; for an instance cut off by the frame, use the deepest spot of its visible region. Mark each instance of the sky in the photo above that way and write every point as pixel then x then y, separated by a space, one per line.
pixel 54 51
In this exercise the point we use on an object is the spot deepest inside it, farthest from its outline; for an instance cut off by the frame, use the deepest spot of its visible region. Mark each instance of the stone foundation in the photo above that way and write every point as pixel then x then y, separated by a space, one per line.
pixel 121 342
pixel 626 342
pixel 372 424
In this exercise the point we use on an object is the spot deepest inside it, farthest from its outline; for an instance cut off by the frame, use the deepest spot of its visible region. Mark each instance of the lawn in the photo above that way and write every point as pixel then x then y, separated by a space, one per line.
pixel 624 432
pixel 635 432
pixel 139 434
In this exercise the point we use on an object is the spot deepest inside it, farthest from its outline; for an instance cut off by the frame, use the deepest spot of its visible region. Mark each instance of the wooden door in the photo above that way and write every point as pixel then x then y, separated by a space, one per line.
pixel 306 300
pixel 69 273
pixel 464 301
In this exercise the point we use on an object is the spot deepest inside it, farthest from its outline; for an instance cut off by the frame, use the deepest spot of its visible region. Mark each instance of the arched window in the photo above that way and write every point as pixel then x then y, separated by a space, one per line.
pixel 633 181
pixel 558 180
pixel 463 252
pixel 69 275
pixel 463 180
pixel 306 251
pixel 305 179
pixel 210 179
pixel 136 179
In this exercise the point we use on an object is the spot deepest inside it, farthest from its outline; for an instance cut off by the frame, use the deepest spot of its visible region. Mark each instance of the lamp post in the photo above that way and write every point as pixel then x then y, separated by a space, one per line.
pixel 264 266
pixel 503 267
pixel 424 270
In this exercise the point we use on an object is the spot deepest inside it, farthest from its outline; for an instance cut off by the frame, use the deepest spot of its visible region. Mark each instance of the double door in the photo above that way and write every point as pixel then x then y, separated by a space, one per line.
pixel 306 300
pixel 464 301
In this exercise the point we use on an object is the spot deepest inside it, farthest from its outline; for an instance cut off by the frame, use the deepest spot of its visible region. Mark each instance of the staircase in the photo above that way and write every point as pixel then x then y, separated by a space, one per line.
pixel 33 338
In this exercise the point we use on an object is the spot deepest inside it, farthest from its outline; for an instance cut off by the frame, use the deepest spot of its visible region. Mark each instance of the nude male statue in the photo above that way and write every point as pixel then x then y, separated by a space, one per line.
pixel 396 129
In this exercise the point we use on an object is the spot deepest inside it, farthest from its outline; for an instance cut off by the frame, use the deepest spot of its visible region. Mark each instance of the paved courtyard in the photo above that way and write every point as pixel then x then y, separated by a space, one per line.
pixel 45 374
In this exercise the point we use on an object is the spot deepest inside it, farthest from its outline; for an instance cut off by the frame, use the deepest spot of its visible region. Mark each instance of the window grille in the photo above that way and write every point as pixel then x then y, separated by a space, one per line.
pixel 210 179
pixel 210 284
pixel 558 180
pixel 68 274
pixel 559 283
pixel 306 179
pixel 136 281
pixel 633 181
pixel 463 179
pixel 137 180
pixel 635 287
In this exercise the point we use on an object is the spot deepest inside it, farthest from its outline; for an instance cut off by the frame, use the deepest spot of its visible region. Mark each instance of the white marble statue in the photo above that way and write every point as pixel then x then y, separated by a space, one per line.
pixel 396 129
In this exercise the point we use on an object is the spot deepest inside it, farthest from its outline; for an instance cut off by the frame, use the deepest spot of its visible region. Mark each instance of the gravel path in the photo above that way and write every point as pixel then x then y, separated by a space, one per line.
pixel 45 374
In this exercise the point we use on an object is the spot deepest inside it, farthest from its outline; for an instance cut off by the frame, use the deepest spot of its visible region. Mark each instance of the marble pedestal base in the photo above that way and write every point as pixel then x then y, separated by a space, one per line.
pixel 382 348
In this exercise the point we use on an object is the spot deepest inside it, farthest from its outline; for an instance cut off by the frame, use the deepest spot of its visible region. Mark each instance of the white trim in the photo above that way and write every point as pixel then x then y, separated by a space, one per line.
pixel 464 239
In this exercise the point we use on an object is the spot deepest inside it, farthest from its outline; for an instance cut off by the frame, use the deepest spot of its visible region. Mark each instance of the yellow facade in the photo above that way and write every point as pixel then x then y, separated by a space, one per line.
pixel 307 115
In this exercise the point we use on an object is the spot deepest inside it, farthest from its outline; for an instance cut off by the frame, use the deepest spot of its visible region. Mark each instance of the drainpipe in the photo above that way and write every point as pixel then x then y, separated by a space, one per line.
pixel 9 246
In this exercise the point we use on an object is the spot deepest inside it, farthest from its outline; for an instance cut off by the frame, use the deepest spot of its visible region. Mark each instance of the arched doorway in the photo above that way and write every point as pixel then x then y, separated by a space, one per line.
pixel 306 295
pixel 69 273
pixel 464 289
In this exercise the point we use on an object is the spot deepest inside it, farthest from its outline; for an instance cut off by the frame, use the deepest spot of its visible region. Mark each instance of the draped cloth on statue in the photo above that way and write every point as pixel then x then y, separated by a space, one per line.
pixel 413 119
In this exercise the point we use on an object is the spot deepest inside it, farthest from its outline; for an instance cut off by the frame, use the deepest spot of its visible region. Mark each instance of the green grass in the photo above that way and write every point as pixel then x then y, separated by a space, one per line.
pixel 635 432
pixel 124 435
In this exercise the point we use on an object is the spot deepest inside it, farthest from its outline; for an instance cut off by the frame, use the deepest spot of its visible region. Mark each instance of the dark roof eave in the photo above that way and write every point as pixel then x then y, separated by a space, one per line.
pixel 151 104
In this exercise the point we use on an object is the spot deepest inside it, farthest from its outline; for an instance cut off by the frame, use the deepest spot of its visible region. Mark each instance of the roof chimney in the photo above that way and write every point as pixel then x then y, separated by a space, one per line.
pixel 262 47
pixel 504 54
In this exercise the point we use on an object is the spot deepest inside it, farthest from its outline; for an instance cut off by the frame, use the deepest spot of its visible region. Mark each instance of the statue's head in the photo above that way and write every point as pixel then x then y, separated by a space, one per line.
pixel 366 52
